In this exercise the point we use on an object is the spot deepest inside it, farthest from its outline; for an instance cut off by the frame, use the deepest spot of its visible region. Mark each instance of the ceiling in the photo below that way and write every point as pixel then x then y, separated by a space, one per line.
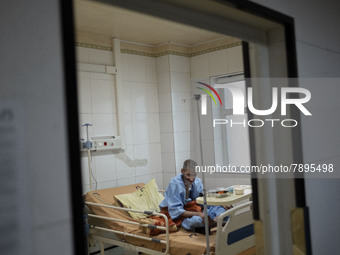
pixel 97 23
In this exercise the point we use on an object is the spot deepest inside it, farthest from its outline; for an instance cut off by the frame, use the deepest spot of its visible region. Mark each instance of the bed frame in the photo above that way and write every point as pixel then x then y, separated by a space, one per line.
pixel 227 239
pixel 94 235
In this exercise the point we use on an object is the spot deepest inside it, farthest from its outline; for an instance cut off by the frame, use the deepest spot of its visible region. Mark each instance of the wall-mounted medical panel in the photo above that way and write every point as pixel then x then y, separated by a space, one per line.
pixel 103 143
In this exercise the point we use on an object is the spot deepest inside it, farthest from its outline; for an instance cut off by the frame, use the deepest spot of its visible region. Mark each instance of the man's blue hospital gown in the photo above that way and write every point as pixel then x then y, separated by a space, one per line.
pixel 175 199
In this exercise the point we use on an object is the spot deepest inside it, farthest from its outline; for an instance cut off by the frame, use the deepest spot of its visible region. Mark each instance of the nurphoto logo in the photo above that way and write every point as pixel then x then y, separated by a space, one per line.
pixel 239 99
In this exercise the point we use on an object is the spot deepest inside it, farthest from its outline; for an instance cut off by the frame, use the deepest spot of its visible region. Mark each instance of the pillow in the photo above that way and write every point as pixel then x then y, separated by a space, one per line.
pixel 146 198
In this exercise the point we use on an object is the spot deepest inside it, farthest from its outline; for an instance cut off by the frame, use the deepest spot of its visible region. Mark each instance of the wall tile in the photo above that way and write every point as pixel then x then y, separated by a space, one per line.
pixel 152 97
pixel 208 152
pixel 82 54
pixel 165 121
pixel 168 162
pixel 140 128
pixel 124 58
pixel 166 179
pixel 126 95
pixel 139 97
pixel 207 129
pixel 151 70
pixel 142 153
pixel 101 76
pixel 83 75
pixel 125 173
pixel 107 184
pixel 182 122
pixel 155 158
pixel 128 131
pixel 180 82
pixel 159 180
pixel 115 124
pixel 143 171
pixel 219 152
pixel 179 64
pixel 154 128
pixel 137 68
pixel 103 125
pixel 163 64
pixel 84 94
pixel 164 102
pixel 200 67
pixel 242 179
pixel 177 101
pixel 126 181
pixel 144 178
pixel 100 57
pixel 163 82
pixel 105 167
pixel 182 141
pixel 225 180
pixel 167 142
pixel 124 159
pixel 103 96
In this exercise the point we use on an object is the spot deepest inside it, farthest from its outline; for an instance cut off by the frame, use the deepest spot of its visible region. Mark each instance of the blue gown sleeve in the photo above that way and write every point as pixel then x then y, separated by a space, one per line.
pixel 174 201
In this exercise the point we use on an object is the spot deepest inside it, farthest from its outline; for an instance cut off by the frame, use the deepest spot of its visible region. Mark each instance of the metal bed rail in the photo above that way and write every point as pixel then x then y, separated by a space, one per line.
pixel 166 228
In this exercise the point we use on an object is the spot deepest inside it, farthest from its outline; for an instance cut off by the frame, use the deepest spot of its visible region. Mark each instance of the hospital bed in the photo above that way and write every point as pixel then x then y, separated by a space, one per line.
pixel 111 224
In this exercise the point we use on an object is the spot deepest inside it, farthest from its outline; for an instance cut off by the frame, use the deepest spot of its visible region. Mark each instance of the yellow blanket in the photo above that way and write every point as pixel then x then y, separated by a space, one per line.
pixel 146 198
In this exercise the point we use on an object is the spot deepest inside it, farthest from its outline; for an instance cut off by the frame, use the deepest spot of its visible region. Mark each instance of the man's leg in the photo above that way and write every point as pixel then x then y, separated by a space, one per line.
pixel 192 223
pixel 214 211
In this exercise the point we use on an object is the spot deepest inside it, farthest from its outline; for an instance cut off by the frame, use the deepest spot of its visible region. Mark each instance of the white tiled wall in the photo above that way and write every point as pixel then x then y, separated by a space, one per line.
pixel 202 68
pixel 166 118
pixel 180 88
pixel 158 125
pixel 140 116
pixel 177 77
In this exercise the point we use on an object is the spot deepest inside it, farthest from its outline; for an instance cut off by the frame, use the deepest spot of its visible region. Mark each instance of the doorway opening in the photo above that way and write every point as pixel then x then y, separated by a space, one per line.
pixel 111 58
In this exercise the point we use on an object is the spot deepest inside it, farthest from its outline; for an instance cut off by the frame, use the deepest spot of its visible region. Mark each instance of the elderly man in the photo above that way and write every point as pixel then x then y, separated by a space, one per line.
pixel 180 200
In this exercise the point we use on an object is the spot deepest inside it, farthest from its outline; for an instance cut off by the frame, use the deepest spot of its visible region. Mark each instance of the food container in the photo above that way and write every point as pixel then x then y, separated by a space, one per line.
pixel 239 189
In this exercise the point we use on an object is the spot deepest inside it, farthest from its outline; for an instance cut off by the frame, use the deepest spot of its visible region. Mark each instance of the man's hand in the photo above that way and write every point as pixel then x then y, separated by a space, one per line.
pixel 201 214
pixel 227 207
pixel 188 214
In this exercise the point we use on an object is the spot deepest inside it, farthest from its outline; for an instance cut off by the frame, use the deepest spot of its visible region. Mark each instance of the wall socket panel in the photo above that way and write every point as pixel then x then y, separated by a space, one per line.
pixel 103 143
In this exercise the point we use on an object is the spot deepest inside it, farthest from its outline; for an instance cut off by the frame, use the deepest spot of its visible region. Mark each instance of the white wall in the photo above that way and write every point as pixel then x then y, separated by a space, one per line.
pixel 140 116
pixel 180 88
pixel 203 67
pixel 158 126
pixel 177 77
pixel 318 53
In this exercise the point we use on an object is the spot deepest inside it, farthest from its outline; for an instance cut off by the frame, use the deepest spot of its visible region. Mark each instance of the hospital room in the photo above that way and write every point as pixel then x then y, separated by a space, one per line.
pixel 147 103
